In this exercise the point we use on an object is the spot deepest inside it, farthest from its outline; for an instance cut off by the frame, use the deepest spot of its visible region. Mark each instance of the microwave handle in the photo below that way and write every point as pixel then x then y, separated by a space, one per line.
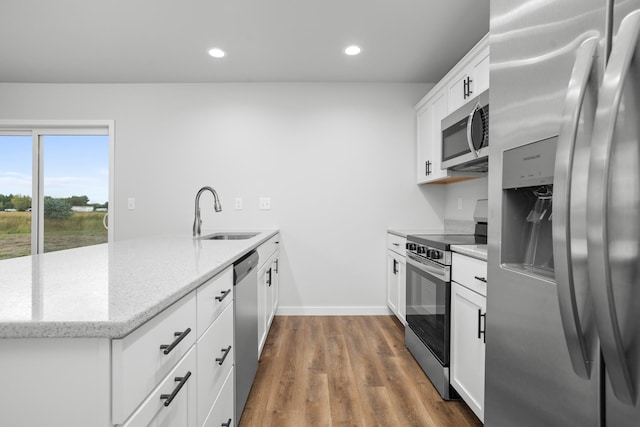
pixel 472 149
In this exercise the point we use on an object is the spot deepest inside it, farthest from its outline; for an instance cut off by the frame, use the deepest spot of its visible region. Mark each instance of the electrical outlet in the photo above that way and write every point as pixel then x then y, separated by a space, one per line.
pixel 238 203
pixel 264 203
pixel 131 203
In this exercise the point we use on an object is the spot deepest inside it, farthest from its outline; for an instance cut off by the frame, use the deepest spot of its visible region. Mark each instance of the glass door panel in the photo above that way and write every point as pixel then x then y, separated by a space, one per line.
pixel 15 195
pixel 76 190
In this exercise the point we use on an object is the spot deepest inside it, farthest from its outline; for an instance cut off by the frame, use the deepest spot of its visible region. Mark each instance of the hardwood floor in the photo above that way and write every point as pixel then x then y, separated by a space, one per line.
pixel 344 371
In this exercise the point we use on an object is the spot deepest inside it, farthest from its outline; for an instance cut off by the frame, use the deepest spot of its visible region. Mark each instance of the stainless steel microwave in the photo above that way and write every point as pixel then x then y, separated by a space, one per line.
pixel 465 136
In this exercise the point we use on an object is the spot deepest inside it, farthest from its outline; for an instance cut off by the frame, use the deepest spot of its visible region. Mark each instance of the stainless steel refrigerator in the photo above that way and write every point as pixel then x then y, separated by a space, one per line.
pixel 563 296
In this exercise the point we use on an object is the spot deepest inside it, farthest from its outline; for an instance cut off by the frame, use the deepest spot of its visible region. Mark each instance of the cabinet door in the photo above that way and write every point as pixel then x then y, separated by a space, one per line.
pixel 471 80
pixel 262 306
pixel 180 387
pixel 215 356
pixel 392 281
pixel 460 90
pixel 429 135
pixel 402 290
pixel 273 290
pixel 480 72
pixel 467 346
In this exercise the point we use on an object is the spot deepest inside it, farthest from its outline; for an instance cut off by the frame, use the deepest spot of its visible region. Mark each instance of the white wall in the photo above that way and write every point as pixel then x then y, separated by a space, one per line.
pixel 469 192
pixel 337 161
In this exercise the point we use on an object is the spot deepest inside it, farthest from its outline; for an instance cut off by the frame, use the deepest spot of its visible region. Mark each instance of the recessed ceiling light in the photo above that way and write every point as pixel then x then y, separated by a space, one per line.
pixel 217 53
pixel 352 50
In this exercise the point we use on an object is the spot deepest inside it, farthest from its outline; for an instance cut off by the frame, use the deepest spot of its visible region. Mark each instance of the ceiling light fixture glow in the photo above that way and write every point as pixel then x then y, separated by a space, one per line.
pixel 217 53
pixel 352 50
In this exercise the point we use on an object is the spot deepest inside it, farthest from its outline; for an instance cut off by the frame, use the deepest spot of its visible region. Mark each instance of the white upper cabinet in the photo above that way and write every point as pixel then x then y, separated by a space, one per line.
pixel 471 80
pixel 467 79
pixel 430 139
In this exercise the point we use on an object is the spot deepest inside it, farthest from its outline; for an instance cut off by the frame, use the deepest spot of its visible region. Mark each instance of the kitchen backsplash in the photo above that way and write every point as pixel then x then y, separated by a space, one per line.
pixel 457 226
pixel 460 201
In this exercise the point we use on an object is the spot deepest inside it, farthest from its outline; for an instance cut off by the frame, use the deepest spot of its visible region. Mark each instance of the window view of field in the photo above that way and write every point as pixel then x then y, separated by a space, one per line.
pixel 67 165
pixel 66 226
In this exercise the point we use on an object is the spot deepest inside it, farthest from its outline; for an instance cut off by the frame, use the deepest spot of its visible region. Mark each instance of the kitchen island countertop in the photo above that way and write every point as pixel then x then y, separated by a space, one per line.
pixel 108 290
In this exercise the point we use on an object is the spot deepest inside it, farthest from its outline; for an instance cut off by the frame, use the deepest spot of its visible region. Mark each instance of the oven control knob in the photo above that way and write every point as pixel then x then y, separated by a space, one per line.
pixel 436 254
pixel 422 250
pixel 411 247
pixel 430 253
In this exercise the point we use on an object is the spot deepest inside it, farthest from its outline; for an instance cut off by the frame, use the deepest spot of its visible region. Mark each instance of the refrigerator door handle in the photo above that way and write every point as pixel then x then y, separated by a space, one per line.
pixel 562 251
pixel 602 289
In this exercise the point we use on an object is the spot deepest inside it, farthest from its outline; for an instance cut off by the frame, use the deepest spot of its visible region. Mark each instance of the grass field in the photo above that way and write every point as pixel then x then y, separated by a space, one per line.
pixel 80 229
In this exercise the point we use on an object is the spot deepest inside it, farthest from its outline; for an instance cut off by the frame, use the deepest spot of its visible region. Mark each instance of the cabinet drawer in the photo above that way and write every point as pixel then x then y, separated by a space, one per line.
pixel 213 297
pixel 397 244
pixel 215 359
pixel 267 248
pixel 181 409
pixel 470 272
pixel 139 363
pixel 222 412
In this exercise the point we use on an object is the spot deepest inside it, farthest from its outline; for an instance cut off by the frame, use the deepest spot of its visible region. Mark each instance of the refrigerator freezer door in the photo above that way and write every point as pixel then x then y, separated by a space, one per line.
pixel 530 380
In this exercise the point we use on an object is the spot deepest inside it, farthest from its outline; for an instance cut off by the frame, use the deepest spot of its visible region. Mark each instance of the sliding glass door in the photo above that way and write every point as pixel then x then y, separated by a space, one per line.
pixel 54 188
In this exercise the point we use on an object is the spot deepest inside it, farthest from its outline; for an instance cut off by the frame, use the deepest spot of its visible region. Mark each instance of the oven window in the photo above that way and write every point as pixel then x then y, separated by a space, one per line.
pixel 428 310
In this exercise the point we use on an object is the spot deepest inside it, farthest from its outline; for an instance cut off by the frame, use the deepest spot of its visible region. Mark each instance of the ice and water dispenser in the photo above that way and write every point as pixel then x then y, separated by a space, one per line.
pixel 527 182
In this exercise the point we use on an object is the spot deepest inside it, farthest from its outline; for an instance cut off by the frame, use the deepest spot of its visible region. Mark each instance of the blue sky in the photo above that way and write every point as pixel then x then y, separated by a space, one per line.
pixel 73 166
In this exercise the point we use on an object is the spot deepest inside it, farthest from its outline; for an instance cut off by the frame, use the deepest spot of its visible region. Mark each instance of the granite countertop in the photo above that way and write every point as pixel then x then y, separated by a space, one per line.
pixel 475 251
pixel 108 290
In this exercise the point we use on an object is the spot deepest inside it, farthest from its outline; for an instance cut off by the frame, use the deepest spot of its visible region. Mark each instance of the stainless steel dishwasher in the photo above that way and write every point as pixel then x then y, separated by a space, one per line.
pixel 245 280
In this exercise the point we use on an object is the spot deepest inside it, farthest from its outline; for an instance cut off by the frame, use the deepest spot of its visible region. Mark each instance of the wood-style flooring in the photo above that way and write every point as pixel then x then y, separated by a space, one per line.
pixel 344 371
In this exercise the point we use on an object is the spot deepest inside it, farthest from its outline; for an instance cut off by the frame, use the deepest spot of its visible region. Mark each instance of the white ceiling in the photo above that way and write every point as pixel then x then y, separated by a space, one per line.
pixel 166 41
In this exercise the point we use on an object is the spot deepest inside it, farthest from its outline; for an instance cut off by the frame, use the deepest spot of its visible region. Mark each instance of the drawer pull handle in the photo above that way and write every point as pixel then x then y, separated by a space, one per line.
pixel 396 244
pixel 482 279
pixel 226 351
pixel 223 295
pixel 169 397
pixel 168 347
pixel 227 424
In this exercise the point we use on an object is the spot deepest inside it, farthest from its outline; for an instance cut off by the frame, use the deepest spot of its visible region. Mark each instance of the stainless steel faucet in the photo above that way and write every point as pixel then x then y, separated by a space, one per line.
pixel 197 222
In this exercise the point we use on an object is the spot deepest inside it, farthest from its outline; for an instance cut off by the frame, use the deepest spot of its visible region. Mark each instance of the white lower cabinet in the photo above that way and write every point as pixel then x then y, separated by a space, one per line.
pixel 145 356
pixel 173 402
pixel 222 413
pixel 268 293
pixel 468 309
pixel 215 361
pixel 396 276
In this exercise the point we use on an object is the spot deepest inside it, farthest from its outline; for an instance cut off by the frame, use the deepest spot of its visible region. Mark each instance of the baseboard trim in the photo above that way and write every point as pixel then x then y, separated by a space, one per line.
pixel 334 311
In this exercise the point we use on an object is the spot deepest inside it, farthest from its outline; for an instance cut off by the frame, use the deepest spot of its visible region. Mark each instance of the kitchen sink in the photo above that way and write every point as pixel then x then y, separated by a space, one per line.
pixel 231 235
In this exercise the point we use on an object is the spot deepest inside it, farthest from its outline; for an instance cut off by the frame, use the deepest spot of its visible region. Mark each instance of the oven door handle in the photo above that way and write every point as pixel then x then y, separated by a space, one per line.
pixel 434 270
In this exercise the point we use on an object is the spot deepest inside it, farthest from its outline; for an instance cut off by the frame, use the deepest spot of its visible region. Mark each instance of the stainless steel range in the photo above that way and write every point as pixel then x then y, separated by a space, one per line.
pixel 429 298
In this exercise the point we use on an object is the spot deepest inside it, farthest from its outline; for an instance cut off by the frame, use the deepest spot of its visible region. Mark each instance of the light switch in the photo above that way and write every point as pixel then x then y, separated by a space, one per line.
pixel 459 203
pixel 131 203
pixel 265 203
pixel 238 203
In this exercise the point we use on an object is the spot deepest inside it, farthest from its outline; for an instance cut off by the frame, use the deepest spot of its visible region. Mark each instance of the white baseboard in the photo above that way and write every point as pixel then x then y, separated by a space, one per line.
pixel 334 311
